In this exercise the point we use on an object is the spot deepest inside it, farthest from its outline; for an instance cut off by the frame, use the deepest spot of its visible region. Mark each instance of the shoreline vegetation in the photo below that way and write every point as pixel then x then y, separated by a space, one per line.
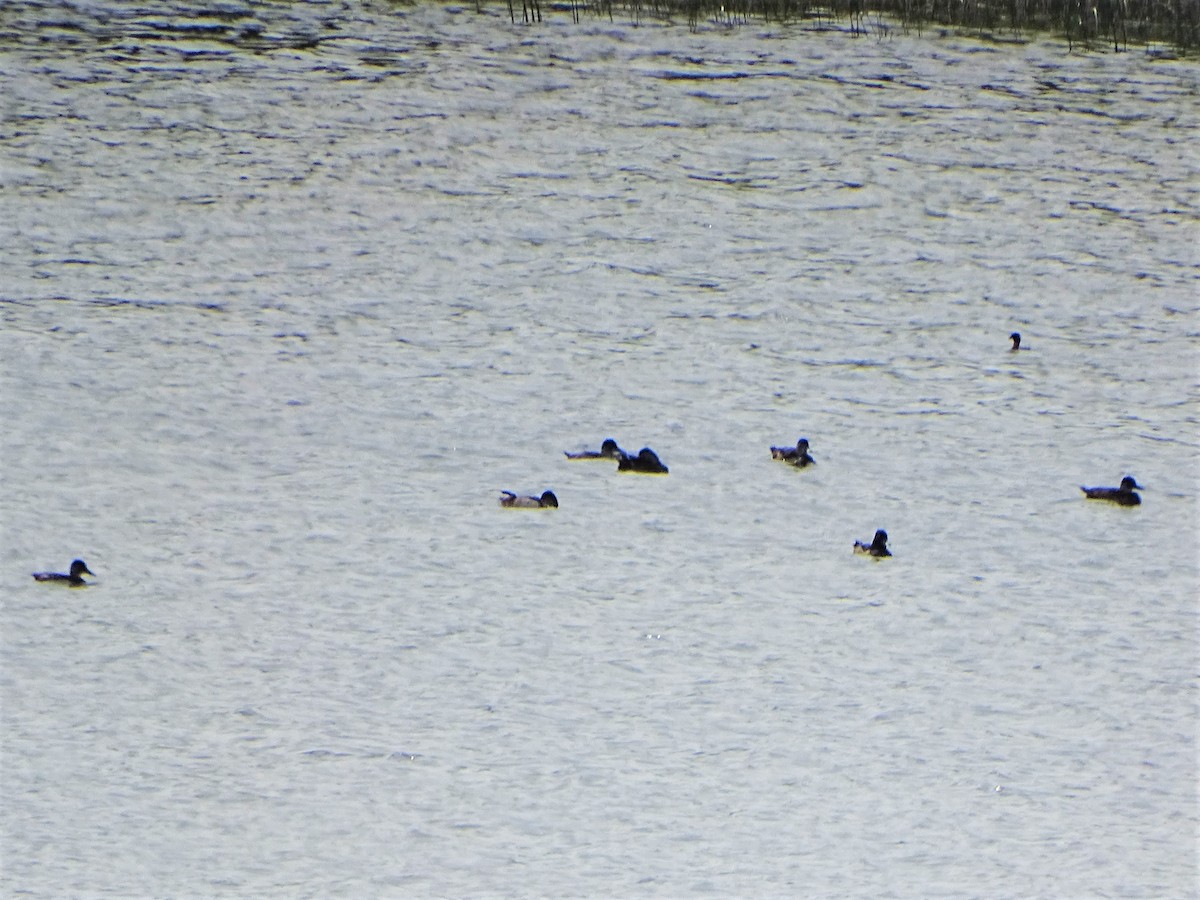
pixel 1083 24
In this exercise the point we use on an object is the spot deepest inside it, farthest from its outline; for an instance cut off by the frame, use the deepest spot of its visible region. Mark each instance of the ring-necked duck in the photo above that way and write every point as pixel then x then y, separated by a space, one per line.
pixel 797 456
pixel 877 547
pixel 547 500
pixel 1015 337
pixel 78 569
pixel 1123 495
pixel 646 462
pixel 608 450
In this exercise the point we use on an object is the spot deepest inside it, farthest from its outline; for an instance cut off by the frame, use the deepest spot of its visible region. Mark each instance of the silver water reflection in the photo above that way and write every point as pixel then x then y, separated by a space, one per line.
pixel 292 291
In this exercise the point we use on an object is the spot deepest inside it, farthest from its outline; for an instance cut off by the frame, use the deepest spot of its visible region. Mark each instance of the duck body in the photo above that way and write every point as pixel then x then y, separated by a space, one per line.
pixel 1123 495
pixel 796 456
pixel 645 463
pixel 877 547
pixel 608 450
pixel 74 579
pixel 546 501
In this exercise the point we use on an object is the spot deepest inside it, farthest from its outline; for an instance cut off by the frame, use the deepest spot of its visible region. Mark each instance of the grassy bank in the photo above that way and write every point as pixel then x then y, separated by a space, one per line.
pixel 1117 24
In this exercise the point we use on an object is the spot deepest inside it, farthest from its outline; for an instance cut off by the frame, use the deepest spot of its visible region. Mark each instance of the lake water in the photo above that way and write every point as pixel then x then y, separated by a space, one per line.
pixel 292 291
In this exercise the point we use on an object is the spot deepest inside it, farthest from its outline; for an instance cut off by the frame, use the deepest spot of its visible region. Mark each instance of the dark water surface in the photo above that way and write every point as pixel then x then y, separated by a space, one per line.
pixel 292 291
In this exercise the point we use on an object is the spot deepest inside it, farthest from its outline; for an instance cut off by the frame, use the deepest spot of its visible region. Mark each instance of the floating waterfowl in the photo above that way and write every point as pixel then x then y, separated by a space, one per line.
pixel 877 547
pixel 1124 495
pixel 546 501
pixel 1015 337
pixel 75 579
pixel 608 450
pixel 796 456
pixel 646 463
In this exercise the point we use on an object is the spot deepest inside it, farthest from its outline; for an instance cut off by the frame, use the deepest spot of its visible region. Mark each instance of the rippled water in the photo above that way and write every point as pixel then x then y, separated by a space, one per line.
pixel 291 291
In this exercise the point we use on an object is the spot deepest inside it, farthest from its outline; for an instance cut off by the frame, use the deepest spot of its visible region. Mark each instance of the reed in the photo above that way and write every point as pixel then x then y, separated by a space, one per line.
pixel 1082 23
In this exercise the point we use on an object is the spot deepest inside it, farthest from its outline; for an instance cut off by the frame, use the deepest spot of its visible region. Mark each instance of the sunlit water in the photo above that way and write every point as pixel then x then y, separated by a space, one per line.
pixel 292 292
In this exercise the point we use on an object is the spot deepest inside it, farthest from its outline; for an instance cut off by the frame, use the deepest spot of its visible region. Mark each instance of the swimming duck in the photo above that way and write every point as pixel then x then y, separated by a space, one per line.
pixel 797 456
pixel 75 579
pixel 546 501
pixel 1015 337
pixel 608 450
pixel 877 547
pixel 646 462
pixel 1123 495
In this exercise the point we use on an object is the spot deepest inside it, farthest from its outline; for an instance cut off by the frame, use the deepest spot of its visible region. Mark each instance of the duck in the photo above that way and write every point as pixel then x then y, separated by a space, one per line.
pixel 1015 337
pixel 75 579
pixel 877 547
pixel 1124 495
pixel 646 462
pixel 797 456
pixel 546 501
pixel 608 450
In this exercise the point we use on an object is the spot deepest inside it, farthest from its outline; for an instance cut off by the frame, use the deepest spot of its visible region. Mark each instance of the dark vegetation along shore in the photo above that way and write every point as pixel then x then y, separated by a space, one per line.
pixel 1082 23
